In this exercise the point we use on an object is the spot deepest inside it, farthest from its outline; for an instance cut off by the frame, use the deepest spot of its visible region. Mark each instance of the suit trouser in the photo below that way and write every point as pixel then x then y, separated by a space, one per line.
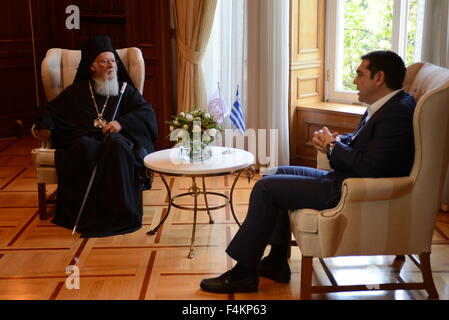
pixel 267 220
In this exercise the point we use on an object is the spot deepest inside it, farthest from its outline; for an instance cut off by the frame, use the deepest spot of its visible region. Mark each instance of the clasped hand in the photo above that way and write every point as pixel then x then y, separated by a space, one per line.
pixel 111 127
pixel 322 138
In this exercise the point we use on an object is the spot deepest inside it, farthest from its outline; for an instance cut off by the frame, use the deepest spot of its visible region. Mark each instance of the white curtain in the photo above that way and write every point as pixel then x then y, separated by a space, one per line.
pixel 224 61
pixel 435 50
pixel 435 47
pixel 268 71
pixel 249 47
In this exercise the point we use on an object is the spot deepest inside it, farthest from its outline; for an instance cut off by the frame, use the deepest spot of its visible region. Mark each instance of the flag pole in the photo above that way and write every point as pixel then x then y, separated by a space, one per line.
pixel 221 101
pixel 236 115
pixel 94 172
pixel 33 42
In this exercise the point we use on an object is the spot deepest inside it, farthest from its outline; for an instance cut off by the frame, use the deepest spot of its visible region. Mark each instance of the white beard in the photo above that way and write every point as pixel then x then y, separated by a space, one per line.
pixel 107 87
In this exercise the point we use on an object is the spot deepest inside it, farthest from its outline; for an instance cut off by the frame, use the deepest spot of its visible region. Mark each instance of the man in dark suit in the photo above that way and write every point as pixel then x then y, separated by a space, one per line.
pixel 382 146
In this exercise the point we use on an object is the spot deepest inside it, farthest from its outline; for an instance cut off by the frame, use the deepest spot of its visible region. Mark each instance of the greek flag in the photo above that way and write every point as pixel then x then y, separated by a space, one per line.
pixel 237 114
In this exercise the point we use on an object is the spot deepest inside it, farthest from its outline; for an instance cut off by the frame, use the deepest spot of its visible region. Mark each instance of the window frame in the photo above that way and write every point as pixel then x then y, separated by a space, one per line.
pixel 334 34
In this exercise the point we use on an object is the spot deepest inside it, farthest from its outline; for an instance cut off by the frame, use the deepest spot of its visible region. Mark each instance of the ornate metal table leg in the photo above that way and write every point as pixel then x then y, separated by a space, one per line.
pixel 211 221
pixel 250 173
pixel 231 203
pixel 195 192
pixel 154 231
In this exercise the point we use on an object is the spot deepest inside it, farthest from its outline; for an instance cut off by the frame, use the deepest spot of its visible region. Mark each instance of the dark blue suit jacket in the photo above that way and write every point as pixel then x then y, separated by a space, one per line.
pixel 384 148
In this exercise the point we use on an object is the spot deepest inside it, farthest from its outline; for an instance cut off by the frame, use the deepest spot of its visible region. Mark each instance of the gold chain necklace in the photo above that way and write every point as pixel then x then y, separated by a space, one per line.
pixel 100 122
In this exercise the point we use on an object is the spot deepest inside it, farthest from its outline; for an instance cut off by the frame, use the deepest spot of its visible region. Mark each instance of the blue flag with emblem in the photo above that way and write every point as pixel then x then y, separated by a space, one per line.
pixel 236 115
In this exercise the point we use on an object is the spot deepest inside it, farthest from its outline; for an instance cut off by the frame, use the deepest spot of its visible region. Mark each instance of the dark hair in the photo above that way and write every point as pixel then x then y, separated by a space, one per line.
pixel 390 63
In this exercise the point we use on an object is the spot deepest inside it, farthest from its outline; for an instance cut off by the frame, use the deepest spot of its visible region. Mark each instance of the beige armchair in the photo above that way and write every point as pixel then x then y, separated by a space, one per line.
pixel 387 216
pixel 58 72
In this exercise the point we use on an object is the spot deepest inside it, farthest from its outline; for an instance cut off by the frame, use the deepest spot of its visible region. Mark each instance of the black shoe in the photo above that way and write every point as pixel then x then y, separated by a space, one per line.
pixel 279 272
pixel 226 284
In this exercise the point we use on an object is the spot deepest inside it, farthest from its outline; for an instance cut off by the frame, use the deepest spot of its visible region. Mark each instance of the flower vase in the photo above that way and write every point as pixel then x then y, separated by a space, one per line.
pixel 195 154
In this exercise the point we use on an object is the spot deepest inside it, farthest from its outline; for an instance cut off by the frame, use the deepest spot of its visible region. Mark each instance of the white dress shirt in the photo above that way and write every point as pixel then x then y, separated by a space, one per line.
pixel 379 103
pixel 372 109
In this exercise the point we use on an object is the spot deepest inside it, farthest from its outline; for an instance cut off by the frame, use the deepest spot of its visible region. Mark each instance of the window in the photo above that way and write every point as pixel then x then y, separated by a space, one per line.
pixel 356 27
pixel 225 59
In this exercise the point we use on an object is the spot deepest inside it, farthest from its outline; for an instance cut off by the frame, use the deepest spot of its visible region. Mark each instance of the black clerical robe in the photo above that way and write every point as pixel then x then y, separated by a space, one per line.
pixel 114 205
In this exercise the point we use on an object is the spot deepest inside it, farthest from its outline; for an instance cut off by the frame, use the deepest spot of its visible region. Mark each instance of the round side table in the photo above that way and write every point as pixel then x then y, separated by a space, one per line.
pixel 223 161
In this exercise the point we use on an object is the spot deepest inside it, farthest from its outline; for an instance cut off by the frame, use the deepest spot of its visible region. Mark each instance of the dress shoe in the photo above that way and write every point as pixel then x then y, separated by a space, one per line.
pixel 228 283
pixel 277 271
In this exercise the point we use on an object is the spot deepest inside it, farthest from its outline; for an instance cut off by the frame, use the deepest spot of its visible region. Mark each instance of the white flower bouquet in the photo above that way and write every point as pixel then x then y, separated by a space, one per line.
pixel 193 131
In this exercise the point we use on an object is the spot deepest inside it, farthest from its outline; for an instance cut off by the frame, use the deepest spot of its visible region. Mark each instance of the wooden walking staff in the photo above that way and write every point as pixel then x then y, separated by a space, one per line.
pixel 89 186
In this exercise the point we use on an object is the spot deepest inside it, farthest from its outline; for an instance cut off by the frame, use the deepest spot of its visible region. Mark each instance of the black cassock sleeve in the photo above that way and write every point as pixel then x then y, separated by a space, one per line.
pixel 138 121
pixel 44 119
pixel 46 114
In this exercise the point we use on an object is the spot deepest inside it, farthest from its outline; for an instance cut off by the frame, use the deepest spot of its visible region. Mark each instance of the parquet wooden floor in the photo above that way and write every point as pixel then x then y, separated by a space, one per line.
pixel 35 255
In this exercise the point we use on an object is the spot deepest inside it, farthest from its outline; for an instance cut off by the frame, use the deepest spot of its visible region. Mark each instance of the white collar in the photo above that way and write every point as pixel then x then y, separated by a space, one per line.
pixel 372 109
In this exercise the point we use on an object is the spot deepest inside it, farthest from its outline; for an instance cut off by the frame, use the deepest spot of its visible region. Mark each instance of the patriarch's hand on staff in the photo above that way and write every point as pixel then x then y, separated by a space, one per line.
pixel 112 127
pixel 43 135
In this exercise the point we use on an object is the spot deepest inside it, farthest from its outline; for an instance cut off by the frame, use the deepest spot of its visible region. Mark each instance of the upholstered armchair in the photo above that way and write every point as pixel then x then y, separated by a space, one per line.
pixel 58 72
pixel 386 216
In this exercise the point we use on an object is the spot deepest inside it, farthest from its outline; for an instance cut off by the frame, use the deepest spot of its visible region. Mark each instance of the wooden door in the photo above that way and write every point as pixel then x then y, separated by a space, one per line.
pixel 307 29
pixel 18 100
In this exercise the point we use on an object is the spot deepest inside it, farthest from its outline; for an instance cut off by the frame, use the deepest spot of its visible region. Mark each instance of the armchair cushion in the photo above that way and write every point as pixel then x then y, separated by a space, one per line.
pixel 44 159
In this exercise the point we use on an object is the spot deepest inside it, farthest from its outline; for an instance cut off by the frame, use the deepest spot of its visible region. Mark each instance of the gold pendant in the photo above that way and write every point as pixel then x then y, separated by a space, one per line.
pixel 99 123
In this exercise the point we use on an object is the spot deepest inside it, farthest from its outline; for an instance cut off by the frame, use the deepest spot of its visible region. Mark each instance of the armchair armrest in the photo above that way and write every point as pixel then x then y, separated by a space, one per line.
pixel 376 189
pixel 322 162
pixel 33 132
pixel 43 157
pixel 44 145
pixel 369 189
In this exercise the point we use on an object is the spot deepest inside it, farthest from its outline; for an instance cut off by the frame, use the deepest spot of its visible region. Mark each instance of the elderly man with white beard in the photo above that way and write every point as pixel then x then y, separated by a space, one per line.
pixel 79 122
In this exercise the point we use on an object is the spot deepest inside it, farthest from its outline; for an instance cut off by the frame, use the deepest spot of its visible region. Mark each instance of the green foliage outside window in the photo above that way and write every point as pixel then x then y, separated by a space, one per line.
pixel 368 26
pixel 411 31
